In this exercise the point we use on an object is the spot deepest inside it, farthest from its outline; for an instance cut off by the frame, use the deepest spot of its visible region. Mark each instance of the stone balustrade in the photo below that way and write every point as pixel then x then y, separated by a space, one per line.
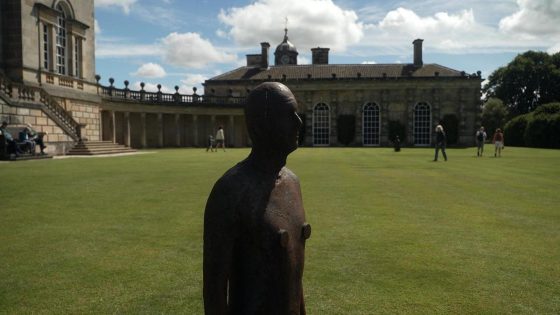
pixel 115 94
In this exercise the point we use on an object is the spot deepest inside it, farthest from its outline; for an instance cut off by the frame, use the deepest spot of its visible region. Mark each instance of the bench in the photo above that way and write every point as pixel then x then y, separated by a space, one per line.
pixel 14 130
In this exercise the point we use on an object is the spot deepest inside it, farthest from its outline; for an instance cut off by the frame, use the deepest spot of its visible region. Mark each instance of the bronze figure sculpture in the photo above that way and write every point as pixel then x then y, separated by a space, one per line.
pixel 254 222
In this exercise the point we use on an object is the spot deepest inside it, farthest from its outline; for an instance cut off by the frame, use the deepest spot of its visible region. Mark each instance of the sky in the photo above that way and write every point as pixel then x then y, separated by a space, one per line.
pixel 184 42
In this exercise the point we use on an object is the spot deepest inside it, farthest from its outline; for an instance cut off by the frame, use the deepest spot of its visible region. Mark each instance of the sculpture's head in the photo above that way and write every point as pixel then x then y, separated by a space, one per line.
pixel 272 119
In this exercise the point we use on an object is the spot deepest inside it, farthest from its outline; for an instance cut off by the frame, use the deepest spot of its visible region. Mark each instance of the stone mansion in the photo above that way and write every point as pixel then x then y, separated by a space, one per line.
pixel 48 79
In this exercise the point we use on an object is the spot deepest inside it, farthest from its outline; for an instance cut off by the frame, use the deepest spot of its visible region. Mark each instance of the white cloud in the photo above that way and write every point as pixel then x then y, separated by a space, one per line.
pixel 369 62
pixel 96 27
pixel 311 23
pixel 113 49
pixel 193 80
pixel 151 87
pixel 554 49
pixel 150 70
pixel 534 17
pixel 221 33
pixel 191 50
pixel 457 32
pixel 303 60
pixel 124 4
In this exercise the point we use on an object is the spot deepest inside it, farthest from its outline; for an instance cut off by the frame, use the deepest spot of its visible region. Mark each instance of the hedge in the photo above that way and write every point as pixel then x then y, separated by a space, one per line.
pixel 540 128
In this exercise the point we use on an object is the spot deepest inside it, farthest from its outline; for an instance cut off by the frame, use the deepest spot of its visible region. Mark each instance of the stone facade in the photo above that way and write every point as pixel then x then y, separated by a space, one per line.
pixel 340 104
pixel 141 125
pixel 28 34
pixel 366 98
pixel 31 68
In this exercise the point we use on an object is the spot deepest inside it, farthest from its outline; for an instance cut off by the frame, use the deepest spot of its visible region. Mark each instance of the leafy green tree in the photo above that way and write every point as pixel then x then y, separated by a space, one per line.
pixel 494 114
pixel 531 79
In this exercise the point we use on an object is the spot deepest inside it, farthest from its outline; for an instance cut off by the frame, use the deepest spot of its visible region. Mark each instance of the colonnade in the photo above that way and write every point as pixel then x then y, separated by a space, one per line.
pixel 148 129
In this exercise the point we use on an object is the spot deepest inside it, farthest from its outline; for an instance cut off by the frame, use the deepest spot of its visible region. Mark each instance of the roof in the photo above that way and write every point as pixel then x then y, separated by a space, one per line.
pixel 285 45
pixel 341 71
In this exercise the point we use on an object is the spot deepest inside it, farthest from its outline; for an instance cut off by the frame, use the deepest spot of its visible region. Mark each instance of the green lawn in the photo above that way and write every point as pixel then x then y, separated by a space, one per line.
pixel 392 232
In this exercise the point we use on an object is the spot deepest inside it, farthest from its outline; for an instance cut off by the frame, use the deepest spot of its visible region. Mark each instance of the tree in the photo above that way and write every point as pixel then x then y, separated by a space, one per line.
pixel 539 128
pixel 530 80
pixel 494 114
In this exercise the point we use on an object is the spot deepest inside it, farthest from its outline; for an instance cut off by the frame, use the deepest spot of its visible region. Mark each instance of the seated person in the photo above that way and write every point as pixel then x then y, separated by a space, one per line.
pixel 12 145
pixel 37 137
pixel 25 142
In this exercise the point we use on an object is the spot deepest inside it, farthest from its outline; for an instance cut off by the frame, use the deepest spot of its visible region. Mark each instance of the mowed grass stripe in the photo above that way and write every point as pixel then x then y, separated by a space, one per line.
pixel 392 232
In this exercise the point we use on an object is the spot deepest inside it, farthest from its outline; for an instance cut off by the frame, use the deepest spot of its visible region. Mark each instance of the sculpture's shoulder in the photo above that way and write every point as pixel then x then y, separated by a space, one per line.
pixel 289 175
pixel 234 179
pixel 233 185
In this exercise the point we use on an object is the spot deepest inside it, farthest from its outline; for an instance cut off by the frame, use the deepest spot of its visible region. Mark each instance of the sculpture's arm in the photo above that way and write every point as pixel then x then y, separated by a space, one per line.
pixel 219 236
pixel 302 305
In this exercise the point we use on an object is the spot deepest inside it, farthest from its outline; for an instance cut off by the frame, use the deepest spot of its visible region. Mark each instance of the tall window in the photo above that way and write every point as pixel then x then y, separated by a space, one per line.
pixel 422 123
pixel 77 57
pixel 61 41
pixel 46 44
pixel 370 123
pixel 321 125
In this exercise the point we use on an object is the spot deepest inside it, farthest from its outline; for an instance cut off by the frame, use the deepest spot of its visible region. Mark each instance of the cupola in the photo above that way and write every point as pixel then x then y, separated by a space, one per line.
pixel 286 53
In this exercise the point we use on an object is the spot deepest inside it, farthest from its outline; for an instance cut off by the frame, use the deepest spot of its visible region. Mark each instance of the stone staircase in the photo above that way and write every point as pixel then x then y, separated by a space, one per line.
pixel 98 148
pixel 26 157
pixel 15 93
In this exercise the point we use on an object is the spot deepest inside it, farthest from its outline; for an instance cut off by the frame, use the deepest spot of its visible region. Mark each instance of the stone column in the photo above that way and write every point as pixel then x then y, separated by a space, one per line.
pixel 101 125
pixel 333 141
pixel 127 137
pixel 178 129
pixel 160 129
pixel 195 130
pixel 231 131
pixel 309 128
pixel 143 127
pixel 70 42
pixel 113 126
pixel 213 123
pixel 359 123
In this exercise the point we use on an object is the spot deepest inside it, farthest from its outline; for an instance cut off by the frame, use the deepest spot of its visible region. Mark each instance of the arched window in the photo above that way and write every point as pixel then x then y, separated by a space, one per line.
pixel 370 124
pixel 422 122
pixel 321 125
pixel 61 40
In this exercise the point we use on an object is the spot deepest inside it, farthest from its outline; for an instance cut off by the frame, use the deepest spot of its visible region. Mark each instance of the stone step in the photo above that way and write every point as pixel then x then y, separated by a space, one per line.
pixel 99 147
pixel 94 145
pixel 26 157
pixel 101 150
pixel 98 152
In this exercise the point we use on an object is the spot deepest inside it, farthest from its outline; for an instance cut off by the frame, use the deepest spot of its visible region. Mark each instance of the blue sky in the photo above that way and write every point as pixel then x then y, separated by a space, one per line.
pixel 174 42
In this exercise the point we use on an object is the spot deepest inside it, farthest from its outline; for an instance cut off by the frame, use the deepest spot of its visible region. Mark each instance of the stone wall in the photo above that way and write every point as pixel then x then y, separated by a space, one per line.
pixel 459 96
pixel 11 35
pixel 56 139
pixel 88 114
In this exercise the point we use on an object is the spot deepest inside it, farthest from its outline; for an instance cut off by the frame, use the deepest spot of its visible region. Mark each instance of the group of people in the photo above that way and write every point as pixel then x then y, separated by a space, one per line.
pixel 497 139
pixel 28 138
pixel 217 142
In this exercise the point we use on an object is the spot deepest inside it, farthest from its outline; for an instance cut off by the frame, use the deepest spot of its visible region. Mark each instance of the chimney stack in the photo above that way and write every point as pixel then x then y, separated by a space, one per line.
pixel 264 55
pixel 418 52
pixel 320 56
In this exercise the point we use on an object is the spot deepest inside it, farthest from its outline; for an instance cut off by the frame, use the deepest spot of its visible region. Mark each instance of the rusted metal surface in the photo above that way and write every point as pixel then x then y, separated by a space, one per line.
pixel 254 223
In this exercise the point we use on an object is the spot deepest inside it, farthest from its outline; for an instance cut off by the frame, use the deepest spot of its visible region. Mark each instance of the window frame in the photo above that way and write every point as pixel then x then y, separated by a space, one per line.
pixel 422 124
pixel 372 138
pixel 321 125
